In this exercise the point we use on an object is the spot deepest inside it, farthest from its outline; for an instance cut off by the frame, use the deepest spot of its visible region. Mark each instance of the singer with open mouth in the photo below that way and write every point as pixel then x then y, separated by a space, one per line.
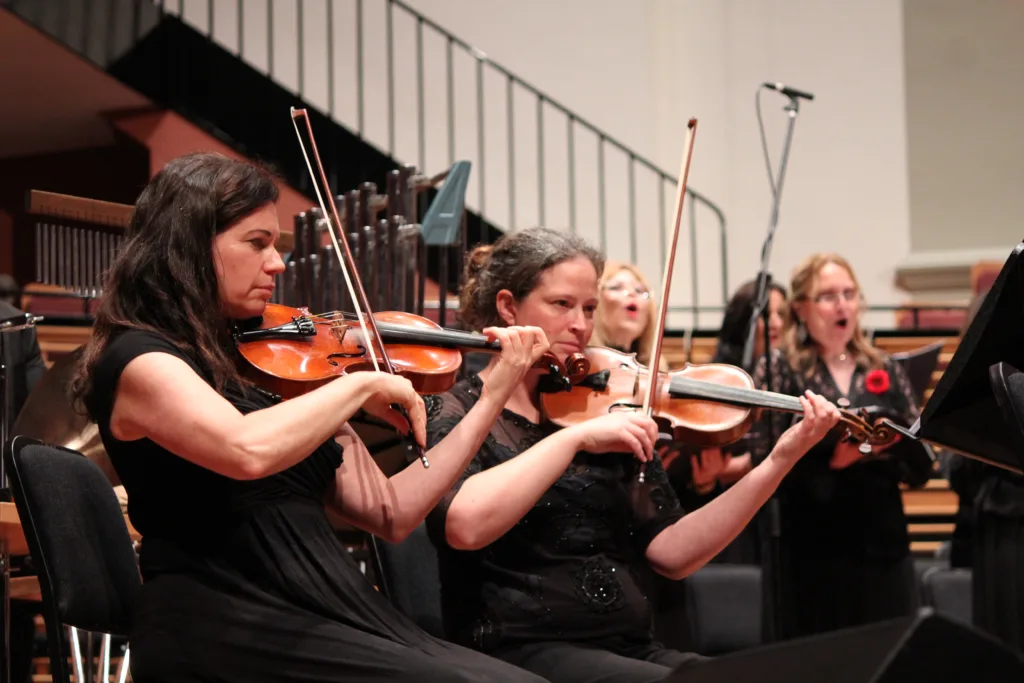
pixel 844 551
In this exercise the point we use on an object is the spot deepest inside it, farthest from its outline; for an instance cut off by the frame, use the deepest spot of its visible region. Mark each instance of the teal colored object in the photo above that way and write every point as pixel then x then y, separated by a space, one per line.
pixel 441 225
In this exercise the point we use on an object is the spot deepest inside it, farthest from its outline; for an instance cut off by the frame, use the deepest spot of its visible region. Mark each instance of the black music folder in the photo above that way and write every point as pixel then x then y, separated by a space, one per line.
pixel 978 404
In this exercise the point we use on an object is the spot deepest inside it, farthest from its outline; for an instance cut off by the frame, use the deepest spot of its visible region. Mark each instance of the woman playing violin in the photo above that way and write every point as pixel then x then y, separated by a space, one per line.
pixel 844 548
pixel 244 577
pixel 542 537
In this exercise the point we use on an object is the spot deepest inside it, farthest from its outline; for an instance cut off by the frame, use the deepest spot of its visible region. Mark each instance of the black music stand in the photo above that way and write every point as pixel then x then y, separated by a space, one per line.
pixel 974 406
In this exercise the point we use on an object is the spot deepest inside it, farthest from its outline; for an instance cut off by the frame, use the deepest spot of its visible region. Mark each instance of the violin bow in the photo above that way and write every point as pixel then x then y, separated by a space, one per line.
pixel 654 358
pixel 355 285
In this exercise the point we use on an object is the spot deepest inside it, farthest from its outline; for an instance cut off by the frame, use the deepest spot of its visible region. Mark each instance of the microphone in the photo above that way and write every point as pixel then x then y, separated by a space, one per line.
pixel 790 92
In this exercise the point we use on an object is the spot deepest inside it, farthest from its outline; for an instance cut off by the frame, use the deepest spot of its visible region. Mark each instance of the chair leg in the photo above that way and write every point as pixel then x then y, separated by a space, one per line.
pixel 76 655
pixel 122 675
pixel 104 667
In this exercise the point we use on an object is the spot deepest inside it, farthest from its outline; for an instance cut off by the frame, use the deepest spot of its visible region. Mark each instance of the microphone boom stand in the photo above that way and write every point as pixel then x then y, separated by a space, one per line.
pixel 773 587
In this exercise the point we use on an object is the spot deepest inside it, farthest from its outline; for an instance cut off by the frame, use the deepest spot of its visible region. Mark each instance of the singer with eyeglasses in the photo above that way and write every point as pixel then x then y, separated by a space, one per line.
pixel 624 321
pixel 844 550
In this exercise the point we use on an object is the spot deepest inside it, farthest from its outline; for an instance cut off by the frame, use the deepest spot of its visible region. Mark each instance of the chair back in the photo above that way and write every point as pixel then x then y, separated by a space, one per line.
pixel 78 540
pixel 949 592
pixel 919 365
pixel 724 607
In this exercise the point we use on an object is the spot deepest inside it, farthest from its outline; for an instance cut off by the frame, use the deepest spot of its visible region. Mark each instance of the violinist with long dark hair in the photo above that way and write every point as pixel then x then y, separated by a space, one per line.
pixel 244 579
pixel 542 537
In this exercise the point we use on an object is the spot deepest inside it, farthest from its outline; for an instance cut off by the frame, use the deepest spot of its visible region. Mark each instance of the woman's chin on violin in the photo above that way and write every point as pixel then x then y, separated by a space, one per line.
pixel 561 304
pixel 247 263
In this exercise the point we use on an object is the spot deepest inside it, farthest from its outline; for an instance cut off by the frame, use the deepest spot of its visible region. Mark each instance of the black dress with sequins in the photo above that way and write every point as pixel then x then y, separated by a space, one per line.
pixel 571 569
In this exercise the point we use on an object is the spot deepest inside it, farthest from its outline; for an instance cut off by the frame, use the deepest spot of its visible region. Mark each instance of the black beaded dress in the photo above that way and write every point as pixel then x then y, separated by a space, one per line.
pixel 246 581
pixel 566 578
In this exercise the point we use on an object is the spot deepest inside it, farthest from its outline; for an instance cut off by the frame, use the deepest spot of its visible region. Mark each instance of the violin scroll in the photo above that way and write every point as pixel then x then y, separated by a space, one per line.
pixel 866 428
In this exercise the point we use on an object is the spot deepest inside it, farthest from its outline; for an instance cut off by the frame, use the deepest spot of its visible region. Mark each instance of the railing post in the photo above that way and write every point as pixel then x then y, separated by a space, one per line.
pixel 420 99
pixel 540 160
pixel 632 208
pixel 571 135
pixel 600 194
pixel 511 158
pixel 359 68
pixel 390 47
pixel 451 101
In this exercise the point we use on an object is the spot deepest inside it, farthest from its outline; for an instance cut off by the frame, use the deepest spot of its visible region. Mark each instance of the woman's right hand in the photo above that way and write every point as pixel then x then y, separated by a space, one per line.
pixel 521 347
pixel 619 432
pixel 385 390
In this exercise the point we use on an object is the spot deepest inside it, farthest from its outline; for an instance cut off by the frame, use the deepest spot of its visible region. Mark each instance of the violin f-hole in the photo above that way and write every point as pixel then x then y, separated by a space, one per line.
pixel 359 354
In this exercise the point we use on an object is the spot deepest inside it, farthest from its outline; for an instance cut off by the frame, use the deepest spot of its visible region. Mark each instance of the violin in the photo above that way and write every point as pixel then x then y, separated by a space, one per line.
pixel 704 405
pixel 290 351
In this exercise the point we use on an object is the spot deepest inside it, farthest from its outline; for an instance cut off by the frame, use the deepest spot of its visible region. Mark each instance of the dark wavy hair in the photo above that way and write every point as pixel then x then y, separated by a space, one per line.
pixel 515 263
pixel 164 279
pixel 733 335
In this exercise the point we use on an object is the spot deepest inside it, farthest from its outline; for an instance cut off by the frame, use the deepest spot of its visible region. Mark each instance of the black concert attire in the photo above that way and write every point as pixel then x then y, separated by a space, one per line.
pixel 25 367
pixel 998 553
pixel 246 581
pixel 964 476
pixel 844 547
pixel 559 594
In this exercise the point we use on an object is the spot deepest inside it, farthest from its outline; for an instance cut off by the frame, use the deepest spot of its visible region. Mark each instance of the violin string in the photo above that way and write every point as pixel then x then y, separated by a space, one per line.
pixel 334 240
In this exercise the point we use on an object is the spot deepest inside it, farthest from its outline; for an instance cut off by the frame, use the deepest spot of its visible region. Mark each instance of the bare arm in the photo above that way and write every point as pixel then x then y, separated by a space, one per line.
pixel 493 501
pixel 692 541
pixel 392 508
pixel 161 398
pixel 738 466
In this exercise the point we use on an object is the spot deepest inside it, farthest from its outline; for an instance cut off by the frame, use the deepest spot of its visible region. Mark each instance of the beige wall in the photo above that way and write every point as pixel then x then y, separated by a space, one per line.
pixel 965 103
pixel 908 157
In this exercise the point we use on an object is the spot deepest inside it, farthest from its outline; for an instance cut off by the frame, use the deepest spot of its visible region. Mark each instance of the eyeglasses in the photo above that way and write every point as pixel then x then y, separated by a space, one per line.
pixel 847 295
pixel 640 292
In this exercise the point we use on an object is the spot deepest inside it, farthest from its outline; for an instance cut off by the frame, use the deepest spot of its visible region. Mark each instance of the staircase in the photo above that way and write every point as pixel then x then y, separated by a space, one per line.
pixel 386 87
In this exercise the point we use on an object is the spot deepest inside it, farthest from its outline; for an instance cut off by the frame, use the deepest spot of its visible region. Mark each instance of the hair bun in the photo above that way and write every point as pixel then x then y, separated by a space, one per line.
pixel 477 260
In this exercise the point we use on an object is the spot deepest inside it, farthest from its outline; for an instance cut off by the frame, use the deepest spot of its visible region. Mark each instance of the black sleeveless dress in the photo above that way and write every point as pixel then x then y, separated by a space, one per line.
pixel 246 580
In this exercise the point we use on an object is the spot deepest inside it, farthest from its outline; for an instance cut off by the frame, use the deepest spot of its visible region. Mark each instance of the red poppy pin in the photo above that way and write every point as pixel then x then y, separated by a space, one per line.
pixel 877 381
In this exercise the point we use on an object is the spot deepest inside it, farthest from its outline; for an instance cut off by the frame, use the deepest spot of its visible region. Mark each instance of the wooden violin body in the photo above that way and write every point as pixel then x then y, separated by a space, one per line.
pixel 290 351
pixel 622 384
pixel 701 405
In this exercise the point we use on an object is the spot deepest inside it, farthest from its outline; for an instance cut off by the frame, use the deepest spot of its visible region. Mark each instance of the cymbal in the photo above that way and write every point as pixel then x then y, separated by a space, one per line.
pixel 49 416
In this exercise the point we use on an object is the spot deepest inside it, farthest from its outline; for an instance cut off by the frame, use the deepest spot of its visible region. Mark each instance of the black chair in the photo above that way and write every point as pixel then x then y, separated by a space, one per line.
pixel 409 576
pixel 922 567
pixel 948 592
pixel 919 365
pixel 86 564
pixel 724 608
